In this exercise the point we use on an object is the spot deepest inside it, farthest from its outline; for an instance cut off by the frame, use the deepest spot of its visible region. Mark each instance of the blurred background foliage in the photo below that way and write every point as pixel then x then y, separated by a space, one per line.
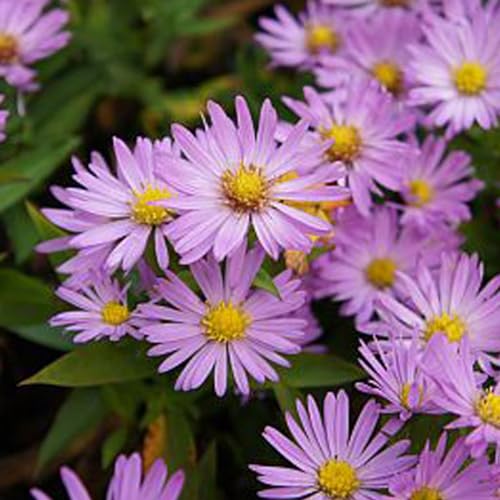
pixel 134 67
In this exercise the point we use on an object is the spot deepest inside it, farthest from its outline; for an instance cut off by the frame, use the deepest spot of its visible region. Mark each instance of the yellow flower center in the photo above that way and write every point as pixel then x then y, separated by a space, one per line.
pixel 381 272
pixel 452 326
pixel 488 408
pixel 347 143
pixel 426 493
pixel 422 192
pixel 114 313
pixel 143 212
pixel 337 479
pixel 321 37
pixel 246 190
pixel 389 76
pixel 8 49
pixel 225 322
pixel 470 78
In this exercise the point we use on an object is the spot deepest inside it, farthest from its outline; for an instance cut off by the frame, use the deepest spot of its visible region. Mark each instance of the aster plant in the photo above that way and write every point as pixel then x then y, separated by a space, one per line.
pixel 262 246
pixel 236 328
pixel 28 33
pixel 300 41
pixel 234 177
pixel 328 461
pixel 369 253
pixel 453 302
pixel 456 70
pixel 445 475
pixel 361 131
pixel 117 209
pixel 378 49
pixel 127 483
pixel 437 188
pixel 462 392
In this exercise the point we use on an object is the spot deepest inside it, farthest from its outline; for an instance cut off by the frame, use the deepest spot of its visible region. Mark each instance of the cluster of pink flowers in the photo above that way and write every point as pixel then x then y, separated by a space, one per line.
pixel 198 215
pixel 29 32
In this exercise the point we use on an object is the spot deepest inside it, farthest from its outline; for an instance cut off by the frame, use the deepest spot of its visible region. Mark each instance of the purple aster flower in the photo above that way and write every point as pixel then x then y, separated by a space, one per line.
pixel 378 49
pixel 328 462
pixel 445 475
pixel 460 392
pixel 369 252
pixel 28 35
pixel 127 483
pixel 102 311
pixel 451 301
pixel 233 325
pixel 364 129
pixel 234 178
pixel 457 71
pixel 119 210
pixel 3 120
pixel 298 42
pixel 395 375
pixel 436 187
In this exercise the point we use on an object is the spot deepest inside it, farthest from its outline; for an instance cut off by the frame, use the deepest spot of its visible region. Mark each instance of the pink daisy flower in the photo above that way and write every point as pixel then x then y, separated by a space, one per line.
pixel 369 252
pixel 437 188
pixel 378 49
pixel 234 324
pixel 298 42
pixel 128 482
pixel 233 178
pixel 28 35
pixel 451 301
pixel 102 311
pixel 364 129
pixel 329 462
pixel 459 392
pixel 457 71
pixel 450 475
pixel 117 210
pixel 395 376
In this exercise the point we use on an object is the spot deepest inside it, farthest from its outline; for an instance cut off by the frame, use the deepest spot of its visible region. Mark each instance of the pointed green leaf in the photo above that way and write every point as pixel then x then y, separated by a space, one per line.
pixel 320 370
pixel 20 231
pixel 35 165
pixel 24 300
pixel 112 446
pixel 97 364
pixel 81 412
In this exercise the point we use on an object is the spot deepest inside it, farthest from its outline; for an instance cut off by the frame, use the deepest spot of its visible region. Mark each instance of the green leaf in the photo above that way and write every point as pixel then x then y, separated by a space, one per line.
pixel 63 106
pixel 320 370
pixel 286 397
pixel 113 445
pixel 46 335
pixel 264 280
pixel 180 447
pixel 80 413
pixel 26 304
pixel 47 231
pixel 97 363
pixel 23 300
pixel 20 231
pixel 202 484
pixel 36 165
pixel 125 399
